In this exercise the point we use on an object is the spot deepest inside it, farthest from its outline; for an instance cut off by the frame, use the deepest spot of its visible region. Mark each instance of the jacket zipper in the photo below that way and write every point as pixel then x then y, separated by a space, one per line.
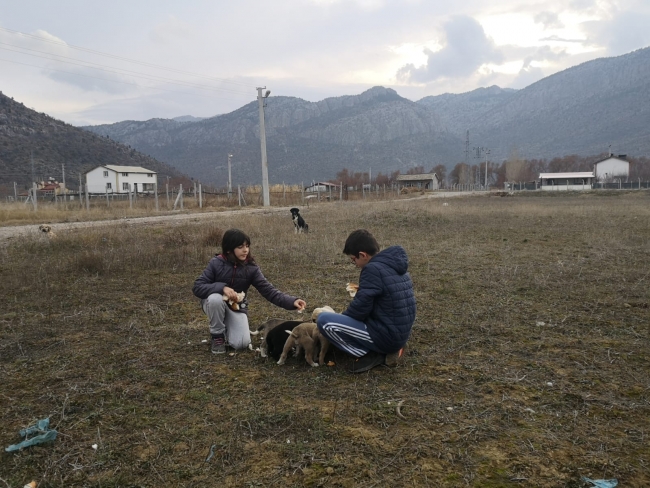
pixel 234 272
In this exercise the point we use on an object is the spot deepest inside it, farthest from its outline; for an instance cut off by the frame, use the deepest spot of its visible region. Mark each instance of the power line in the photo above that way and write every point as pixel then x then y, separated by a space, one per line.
pixel 106 79
pixel 129 72
pixel 135 61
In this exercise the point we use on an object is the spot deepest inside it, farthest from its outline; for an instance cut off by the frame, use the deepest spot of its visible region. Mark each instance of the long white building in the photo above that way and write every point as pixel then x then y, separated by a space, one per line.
pixel 121 179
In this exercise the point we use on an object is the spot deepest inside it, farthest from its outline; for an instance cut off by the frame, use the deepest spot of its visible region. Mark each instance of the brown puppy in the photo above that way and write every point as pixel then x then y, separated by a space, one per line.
pixel 305 336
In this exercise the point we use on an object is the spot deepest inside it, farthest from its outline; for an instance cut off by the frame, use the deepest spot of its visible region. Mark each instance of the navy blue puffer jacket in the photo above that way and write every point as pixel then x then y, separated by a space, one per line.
pixel 385 301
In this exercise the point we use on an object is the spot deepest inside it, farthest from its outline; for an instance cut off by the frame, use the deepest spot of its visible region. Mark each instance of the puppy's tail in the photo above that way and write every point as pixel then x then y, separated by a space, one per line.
pixel 290 332
pixel 254 333
pixel 306 228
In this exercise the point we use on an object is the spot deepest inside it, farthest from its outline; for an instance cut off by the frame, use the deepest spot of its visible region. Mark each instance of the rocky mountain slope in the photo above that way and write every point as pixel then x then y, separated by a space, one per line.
pixel 28 136
pixel 376 131
pixel 581 110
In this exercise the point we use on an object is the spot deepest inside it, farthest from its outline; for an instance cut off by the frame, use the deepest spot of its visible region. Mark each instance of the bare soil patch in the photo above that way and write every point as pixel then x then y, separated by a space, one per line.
pixel 528 364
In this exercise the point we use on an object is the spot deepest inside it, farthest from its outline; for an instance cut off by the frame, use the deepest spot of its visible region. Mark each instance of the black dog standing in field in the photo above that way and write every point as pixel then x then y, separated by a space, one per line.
pixel 299 224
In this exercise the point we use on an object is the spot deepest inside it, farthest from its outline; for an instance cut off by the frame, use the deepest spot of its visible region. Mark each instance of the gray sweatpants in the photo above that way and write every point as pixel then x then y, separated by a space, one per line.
pixel 224 321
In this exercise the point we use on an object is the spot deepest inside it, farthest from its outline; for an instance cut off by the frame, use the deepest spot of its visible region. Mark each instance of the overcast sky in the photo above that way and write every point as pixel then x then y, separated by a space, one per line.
pixel 91 62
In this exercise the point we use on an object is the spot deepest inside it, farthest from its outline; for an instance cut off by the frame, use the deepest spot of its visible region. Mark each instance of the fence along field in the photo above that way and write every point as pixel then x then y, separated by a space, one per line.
pixel 528 364
pixel 76 207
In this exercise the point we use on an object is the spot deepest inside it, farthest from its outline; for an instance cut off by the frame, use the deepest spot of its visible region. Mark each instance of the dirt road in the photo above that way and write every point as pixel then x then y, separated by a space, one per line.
pixel 32 229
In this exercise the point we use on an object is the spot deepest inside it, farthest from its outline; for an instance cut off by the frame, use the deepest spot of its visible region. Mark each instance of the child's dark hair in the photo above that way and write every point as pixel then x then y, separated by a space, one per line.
pixel 232 239
pixel 361 241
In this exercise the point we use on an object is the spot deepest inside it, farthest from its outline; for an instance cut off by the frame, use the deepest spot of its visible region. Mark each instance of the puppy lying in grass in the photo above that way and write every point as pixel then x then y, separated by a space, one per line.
pixel 47 230
pixel 306 337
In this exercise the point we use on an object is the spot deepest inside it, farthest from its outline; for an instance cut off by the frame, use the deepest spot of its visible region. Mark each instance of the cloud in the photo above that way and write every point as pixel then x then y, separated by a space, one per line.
pixel 529 73
pixel 467 48
pixel 171 30
pixel 88 79
pixel 555 38
pixel 550 20
pixel 624 32
pixel 544 53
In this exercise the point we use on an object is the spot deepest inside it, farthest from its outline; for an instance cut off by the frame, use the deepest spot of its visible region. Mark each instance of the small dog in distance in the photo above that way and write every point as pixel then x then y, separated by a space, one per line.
pixel 299 224
pixel 47 230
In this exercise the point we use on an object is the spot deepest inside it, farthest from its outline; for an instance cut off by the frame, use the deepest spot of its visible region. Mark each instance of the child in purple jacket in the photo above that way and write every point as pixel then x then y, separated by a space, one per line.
pixel 227 274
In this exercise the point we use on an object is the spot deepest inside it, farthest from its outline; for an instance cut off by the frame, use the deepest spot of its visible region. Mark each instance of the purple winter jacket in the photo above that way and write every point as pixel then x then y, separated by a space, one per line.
pixel 220 273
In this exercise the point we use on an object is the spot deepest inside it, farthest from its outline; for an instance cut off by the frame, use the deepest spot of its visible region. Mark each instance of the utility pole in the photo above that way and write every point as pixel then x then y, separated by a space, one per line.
pixel 64 190
pixel 265 166
pixel 467 147
pixel 487 152
pixel 478 161
pixel 229 177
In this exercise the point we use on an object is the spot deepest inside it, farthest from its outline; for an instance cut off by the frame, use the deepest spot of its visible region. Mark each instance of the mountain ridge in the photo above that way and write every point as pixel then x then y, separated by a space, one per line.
pixel 34 145
pixel 580 110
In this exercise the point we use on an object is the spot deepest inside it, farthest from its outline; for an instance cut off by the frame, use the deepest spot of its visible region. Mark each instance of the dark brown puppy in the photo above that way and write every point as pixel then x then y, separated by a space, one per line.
pixel 274 336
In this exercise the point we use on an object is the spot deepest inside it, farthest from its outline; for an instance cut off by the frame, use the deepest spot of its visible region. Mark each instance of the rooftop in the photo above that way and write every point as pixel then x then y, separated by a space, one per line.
pixel 583 174
pixel 423 176
pixel 128 169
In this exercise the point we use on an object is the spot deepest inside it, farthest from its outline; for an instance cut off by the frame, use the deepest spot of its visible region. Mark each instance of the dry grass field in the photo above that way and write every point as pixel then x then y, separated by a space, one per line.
pixel 528 364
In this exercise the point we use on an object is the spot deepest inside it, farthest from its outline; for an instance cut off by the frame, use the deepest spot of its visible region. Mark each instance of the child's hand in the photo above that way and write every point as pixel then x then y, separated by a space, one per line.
pixel 230 293
pixel 300 304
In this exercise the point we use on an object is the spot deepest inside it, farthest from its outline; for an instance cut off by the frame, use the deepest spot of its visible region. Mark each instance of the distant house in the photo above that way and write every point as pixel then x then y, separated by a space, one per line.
pixel 321 187
pixel 50 188
pixel 566 181
pixel 611 167
pixel 121 179
pixel 425 181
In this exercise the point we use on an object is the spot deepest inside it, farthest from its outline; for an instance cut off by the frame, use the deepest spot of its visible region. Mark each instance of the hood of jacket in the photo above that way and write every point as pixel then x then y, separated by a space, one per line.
pixel 394 257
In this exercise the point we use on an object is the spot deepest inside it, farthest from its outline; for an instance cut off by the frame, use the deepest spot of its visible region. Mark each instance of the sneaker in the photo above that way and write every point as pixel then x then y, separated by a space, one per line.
pixel 367 362
pixel 218 345
pixel 394 357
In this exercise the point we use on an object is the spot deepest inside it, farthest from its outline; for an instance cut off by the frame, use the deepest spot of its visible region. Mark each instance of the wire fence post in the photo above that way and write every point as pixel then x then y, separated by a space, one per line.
pixel 34 197
pixel 155 187
pixel 200 196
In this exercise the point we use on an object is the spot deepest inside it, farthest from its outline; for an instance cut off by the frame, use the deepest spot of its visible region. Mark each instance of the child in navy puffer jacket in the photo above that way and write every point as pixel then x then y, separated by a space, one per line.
pixel 378 322
pixel 227 274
